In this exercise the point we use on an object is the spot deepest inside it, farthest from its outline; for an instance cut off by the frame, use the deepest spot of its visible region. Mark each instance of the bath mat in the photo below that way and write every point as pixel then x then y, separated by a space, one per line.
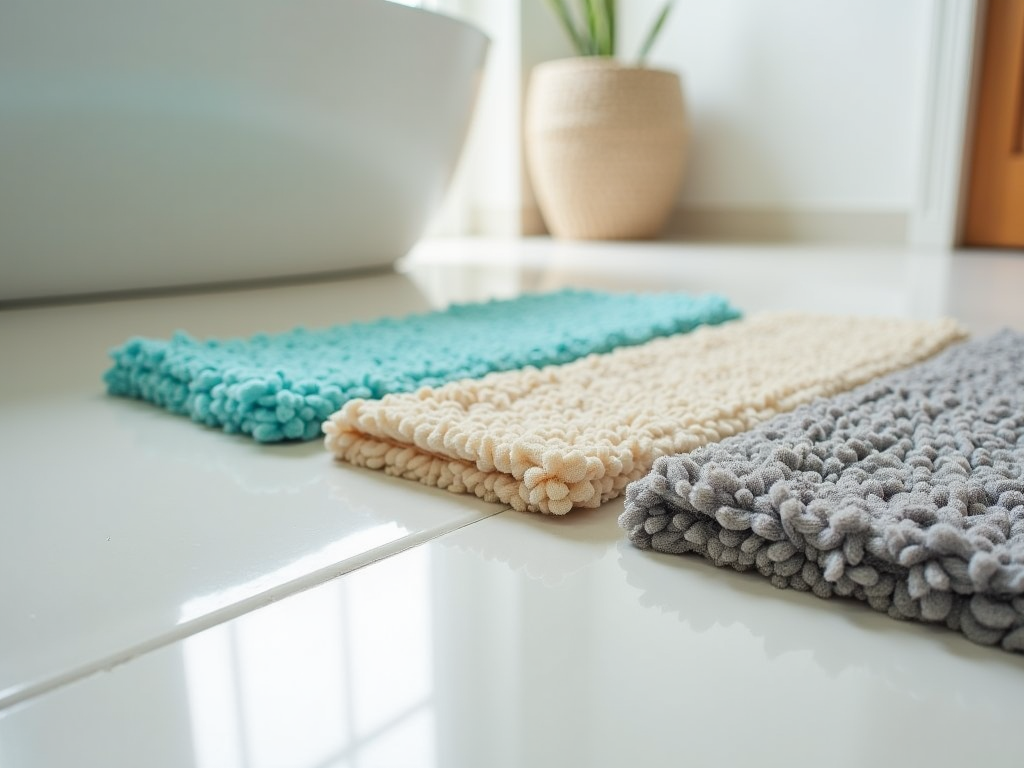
pixel 906 493
pixel 282 387
pixel 571 436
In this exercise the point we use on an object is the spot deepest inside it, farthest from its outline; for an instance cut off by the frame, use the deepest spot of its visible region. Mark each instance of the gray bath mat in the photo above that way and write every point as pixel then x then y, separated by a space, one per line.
pixel 906 493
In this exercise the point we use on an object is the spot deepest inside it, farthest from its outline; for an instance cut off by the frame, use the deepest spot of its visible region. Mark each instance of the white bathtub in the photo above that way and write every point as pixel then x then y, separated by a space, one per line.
pixel 176 142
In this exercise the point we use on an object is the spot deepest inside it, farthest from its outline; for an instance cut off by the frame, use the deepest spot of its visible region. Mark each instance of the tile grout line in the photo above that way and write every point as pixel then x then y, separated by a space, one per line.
pixel 16 696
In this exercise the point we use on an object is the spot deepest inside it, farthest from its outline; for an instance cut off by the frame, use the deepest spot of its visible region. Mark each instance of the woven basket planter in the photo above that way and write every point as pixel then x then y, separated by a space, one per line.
pixel 605 147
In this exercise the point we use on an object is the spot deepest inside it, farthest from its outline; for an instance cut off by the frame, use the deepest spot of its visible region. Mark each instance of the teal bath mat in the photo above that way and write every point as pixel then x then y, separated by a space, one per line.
pixel 282 387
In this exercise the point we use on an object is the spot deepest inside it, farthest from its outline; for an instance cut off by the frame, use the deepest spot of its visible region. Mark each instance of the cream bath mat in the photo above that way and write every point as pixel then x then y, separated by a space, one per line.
pixel 906 493
pixel 556 438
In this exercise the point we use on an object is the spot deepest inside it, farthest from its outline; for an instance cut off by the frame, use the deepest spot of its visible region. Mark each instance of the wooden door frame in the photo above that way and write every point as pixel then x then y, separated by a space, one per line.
pixel 954 48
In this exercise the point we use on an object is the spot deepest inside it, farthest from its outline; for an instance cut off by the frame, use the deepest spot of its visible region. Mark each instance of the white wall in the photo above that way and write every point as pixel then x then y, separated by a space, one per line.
pixel 797 107
pixel 796 104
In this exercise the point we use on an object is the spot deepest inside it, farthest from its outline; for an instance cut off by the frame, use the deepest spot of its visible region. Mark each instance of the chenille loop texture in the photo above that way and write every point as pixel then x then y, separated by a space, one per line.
pixel 906 493
pixel 282 387
pixel 556 438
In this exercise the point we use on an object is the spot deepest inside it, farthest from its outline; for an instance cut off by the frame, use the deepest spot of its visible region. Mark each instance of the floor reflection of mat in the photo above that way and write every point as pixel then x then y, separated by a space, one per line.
pixel 906 493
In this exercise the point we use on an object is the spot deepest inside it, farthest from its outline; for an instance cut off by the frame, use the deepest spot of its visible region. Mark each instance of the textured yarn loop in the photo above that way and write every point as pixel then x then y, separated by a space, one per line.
pixel 282 387
pixel 906 493
pixel 555 438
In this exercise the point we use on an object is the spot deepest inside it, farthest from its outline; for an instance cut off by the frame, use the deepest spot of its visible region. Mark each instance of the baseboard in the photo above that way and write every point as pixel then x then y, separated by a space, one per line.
pixel 730 225
pixel 522 221
pixel 755 225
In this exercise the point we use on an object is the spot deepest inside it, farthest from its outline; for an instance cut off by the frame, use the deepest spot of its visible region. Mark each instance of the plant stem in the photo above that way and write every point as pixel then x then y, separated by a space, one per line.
pixel 609 13
pixel 562 12
pixel 599 26
pixel 592 28
pixel 653 34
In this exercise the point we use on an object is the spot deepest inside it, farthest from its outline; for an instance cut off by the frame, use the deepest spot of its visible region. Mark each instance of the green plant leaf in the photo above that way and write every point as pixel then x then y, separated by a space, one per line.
pixel 579 42
pixel 655 30
pixel 599 26
pixel 591 29
pixel 609 12
pixel 591 18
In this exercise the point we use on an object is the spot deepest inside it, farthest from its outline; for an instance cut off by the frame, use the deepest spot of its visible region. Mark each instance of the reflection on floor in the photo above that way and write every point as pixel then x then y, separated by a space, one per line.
pixel 181 597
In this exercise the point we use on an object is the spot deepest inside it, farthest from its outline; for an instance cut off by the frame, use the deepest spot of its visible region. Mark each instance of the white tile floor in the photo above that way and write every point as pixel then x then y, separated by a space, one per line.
pixel 156 574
